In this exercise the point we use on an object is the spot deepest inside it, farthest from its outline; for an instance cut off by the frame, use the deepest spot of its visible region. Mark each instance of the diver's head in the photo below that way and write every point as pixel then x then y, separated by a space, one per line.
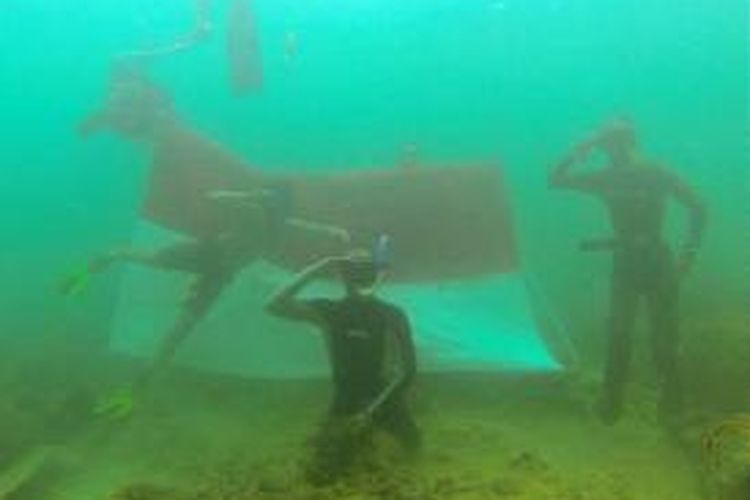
pixel 360 273
pixel 617 138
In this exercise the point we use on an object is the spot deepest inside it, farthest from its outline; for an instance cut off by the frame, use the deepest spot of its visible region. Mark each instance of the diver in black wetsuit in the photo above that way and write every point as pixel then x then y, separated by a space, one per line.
pixel 214 261
pixel 138 110
pixel 635 192
pixel 364 335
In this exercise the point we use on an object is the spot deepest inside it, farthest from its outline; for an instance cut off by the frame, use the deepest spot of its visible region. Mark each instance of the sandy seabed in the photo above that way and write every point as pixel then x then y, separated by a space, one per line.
pixel 203 437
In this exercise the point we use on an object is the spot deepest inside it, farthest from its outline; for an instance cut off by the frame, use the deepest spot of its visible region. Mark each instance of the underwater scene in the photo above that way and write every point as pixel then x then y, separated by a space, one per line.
pixel 374 249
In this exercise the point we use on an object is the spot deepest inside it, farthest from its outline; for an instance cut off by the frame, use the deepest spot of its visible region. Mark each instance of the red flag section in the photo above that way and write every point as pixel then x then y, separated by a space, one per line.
pixel 449 222
pixel 243 52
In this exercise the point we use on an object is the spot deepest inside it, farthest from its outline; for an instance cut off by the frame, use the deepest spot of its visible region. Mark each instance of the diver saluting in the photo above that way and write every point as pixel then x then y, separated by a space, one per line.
pixel 635 192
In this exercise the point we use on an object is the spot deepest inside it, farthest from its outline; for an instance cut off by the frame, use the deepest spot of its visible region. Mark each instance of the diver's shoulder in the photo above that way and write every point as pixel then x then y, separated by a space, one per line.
pixel 393 310
pixel 655 168
pixel 654 164
pixel 668 174
pixel 384 304
pixel 659 166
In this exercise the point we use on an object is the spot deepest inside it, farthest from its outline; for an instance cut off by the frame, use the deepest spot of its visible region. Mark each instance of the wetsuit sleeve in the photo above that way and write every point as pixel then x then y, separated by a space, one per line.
pixel 319 311
pixel 697 212
pixel 405 342
pixel 590 182
pixel 197 257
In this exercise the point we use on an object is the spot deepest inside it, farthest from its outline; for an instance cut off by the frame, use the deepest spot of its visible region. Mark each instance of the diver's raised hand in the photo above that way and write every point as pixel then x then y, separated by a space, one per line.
pixel 340 234
pixel 584 148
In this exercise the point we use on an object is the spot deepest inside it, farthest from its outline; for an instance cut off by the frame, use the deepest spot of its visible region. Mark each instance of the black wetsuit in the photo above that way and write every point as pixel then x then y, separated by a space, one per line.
pixel 643 267
pixel 216 260
pixel 359 334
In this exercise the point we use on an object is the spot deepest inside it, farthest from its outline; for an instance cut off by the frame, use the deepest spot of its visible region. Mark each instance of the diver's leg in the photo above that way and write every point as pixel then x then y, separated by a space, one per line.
pixel 202 295
pixel 146 258
pixel 624 302
pixel 326 462
pixel 337 450
pixel 396 419
pixel 189 256
pixel 663 302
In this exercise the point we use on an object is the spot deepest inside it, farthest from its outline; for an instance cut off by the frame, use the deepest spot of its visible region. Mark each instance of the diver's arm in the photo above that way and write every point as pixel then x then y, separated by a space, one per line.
pixel 129 255
pixel 408 365
pixel 255 195
pixel 157 259
pixel 252 200
pixel 70 283
pixel 560 176
pixel 229 194
pixel 285 303
pixel 334 231
pixel 697 220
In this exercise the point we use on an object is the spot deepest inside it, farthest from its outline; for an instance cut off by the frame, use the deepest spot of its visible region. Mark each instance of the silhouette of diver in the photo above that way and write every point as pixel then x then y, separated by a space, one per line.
pixel 214 261
pixel 365 336
pixel 137 109
pixel 635 192
pixel 252 227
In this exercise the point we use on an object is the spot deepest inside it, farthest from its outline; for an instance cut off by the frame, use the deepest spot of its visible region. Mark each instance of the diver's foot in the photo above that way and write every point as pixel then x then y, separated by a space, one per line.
pixel 102 262
pixel 75 282
pixel 116 406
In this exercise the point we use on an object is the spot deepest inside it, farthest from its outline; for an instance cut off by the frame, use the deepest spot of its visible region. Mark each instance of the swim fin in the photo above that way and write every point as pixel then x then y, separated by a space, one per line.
pixel 117 406
pixel 75 282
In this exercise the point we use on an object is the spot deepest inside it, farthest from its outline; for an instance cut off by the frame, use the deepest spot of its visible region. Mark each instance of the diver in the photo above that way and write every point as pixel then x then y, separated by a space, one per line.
pixel 372 357
pixel 256 222
pixel 635 192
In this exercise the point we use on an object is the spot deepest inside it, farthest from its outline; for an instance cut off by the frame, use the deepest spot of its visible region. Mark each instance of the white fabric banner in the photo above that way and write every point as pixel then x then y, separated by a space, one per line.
pixel 483 324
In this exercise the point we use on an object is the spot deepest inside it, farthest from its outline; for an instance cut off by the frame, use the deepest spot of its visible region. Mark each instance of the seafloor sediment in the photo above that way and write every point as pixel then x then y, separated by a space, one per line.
pixel 203 437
